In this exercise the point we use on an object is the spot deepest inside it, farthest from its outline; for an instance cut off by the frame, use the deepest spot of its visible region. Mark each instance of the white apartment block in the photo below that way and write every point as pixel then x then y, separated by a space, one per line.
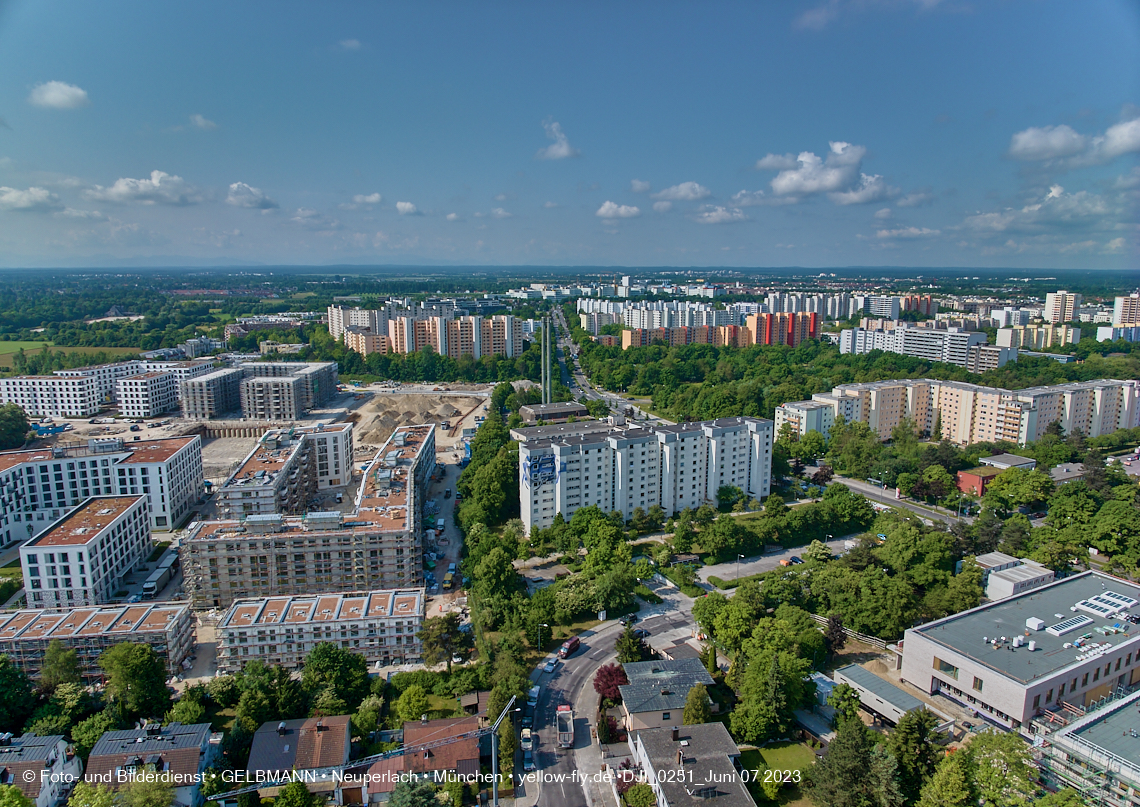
pixel 626 467
pixel 286 468
pixel 806 416
pixel 1019 657
pixel 147 395
pixel 951 346
pixel 1038 337
pixel 1126 311
pixel 1110 333
pixel 382 626
pixel 105 376
pixel 82 558
pixel 970 413
pixel 1061 306
pixel 37 487
pixel 52 395
pixel 886 307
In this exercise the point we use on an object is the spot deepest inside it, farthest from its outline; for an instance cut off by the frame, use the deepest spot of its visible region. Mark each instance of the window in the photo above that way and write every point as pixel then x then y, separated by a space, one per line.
pixel 1036 701
pixel 944 667
pixel 665 715
pixel 977 684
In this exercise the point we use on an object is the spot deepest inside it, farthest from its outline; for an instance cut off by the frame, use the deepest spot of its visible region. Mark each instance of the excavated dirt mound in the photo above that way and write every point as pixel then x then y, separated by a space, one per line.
pixel 380 416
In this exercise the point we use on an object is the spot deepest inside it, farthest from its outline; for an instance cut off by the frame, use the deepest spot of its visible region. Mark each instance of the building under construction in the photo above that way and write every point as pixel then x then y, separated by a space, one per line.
pixel 166 627
pixel 1096 753
pixel 286 469
pixel 377 546
pixel 382 626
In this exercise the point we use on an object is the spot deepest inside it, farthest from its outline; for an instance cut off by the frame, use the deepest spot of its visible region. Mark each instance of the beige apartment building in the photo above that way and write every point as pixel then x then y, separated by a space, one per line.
pixel 970 413
pixel 378 545
pixel 1037 337
pixel 1061 306
pixel 1126 311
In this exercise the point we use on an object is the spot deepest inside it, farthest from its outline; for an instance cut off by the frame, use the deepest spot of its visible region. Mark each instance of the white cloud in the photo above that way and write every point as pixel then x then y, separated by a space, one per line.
pixel 367 199
pixel 1128 181
pixel 870 189
pixel 550 205
pixel 885 213
pixel 161 188
pixel 202 122
pixel 499 213
pixel 748 198
pixel 685 192
pixel 560 149
pixel 349 44
pixel 33 200
pixel 1115 245
pixel 1123 138
pixel 1055 209
pixel 777 162
pixel 72 213
pixel 1062 142
pixel 715 214
pixel 1046 143
pixel 916 199
pixel 242 195
pixel 814 175
pixel 818 17
pixel 311 219
pixel 58 95
pixel 662 207
pixel 407 209
pixel 611 210
pixel 908 233
pixel 639 186
pixel 452 217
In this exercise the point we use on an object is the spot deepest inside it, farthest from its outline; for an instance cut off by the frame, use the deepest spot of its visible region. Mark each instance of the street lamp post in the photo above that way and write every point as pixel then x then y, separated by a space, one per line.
pixel 738 559
pixel 495 748
pixel 882 489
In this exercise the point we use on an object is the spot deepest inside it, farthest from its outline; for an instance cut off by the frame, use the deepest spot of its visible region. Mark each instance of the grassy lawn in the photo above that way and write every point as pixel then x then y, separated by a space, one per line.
pixel 12 569
pixel 220 719
pixel 779 757
pixel 8 349
pixel 446 707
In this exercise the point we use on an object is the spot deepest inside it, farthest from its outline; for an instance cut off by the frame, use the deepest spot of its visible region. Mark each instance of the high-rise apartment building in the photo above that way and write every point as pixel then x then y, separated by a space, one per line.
pixel 805 416
pixel 1037 337
pixel 1126 311
pixel 211 395
pixel 951 346
pixel 1061 306
pixel 147 395
pixel 782 329
pixel 886 307
pixel 627 467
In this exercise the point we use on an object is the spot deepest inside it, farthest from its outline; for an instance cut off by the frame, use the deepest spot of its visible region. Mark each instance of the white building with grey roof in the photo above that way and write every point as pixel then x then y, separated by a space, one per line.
pixel 641 465
pixel 1072 643
pixel 657 690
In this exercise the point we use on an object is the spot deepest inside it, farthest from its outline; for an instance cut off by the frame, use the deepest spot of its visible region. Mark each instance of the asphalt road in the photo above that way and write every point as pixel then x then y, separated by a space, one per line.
pixel 878 496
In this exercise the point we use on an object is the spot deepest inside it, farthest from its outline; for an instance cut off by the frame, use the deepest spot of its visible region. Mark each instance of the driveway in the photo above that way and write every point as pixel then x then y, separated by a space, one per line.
pixel 757 564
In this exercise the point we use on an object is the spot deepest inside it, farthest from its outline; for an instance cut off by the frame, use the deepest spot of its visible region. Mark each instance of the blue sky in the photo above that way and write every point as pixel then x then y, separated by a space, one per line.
pixel 822 133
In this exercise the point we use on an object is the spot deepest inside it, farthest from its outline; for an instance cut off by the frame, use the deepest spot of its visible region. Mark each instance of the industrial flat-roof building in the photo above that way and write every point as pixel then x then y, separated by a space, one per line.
pixel 166 627
pixel 382 626
pixel 553 412
pixel 378 545
pixel 82 558
pixel 1066 642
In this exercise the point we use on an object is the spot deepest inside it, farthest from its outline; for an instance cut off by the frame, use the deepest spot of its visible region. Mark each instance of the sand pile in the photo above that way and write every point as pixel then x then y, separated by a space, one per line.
pixel 381 415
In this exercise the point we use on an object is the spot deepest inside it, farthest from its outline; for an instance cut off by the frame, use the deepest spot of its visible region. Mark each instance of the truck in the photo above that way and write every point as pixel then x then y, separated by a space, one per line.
pixel 160 576
pixel 564 717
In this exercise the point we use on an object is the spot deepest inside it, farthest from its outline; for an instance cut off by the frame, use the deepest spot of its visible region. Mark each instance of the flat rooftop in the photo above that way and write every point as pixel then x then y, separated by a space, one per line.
pixel 865 679
pixel 1116 729
pixel 87 521
pixel 385 493
pixel 38 625
pixel 1083 608
pixel 383 604
pixel 148 451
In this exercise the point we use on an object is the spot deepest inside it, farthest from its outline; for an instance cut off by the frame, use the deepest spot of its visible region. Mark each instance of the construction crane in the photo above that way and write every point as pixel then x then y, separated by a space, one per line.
pixel 335 772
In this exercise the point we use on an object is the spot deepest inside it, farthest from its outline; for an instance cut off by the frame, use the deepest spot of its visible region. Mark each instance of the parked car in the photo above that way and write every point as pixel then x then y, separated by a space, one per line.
pixel 528 761
pixel 641 633
pixel 795 559
pixel 551 666
pixel 628 619
pixel 527 742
